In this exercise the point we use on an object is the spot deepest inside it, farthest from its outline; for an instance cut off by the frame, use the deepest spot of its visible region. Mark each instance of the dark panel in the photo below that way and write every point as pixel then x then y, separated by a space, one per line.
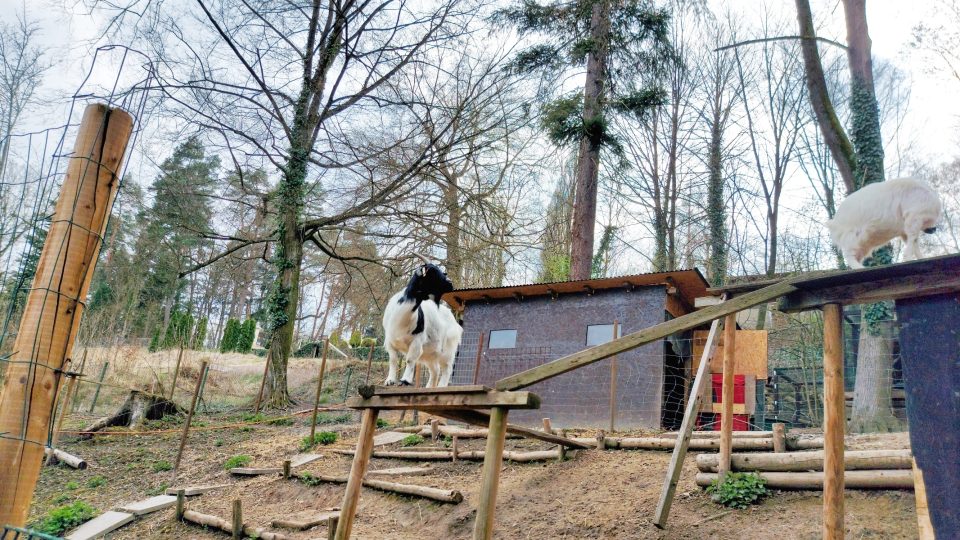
pixel 930 351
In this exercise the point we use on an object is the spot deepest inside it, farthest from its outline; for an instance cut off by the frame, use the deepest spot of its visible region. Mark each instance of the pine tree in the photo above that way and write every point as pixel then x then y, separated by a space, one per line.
pixel 624 47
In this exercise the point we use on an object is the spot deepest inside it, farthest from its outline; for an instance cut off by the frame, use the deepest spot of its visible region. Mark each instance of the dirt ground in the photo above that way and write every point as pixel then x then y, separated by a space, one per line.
pixel 610 494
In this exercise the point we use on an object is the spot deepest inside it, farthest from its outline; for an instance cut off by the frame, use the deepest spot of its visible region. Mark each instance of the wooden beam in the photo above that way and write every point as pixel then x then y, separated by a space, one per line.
pixel 686 428
pixel 435 401
pixel 642 337
pixel 361 459
pixel 369 391
pixel 924 526
pixel 938 277
pixel 479 418
pixel 726 400
pixel 492 462
pixel 834 417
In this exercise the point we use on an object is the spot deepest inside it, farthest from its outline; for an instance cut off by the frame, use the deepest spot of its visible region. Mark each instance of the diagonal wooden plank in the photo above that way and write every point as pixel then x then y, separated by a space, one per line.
pixel 642 337
pixel 686 427
pixel 479 418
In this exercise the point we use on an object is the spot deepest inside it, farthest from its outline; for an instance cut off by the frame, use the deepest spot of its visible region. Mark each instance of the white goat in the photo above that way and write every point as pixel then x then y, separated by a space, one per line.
pixel 876 213
pixel 416 324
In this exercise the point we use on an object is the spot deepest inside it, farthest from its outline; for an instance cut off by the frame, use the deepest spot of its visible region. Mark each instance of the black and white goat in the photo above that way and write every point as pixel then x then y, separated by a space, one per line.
pixel 423 329
pixel 877 213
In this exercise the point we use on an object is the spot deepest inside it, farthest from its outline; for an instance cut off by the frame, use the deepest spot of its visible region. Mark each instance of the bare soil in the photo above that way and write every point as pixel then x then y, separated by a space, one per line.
pixel 610 494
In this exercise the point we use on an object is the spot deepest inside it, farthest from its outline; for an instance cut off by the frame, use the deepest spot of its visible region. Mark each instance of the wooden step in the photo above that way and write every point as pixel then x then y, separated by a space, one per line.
pixel 100 525
pixel 147 506
pixel 195 490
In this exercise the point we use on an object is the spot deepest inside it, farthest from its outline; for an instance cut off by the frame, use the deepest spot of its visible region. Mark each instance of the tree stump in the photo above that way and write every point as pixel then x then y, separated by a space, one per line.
pixel 138 407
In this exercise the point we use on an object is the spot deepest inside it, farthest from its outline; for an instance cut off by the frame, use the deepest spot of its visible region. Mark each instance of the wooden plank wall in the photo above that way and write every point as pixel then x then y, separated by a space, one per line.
pixel 750 349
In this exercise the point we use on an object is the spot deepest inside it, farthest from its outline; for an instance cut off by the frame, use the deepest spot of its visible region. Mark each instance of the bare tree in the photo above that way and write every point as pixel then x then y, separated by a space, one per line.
pixel 22 66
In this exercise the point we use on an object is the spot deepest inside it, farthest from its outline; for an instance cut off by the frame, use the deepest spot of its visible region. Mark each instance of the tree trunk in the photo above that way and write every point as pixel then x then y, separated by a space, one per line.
pixel 588 160
pixel 874 383
pixel 454 261
pixel 716 207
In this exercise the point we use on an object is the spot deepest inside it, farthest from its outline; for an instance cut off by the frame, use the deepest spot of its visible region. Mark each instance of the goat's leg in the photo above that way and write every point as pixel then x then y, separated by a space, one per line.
pixel 394 361
pixel 446 372
pixel 434 375
pixel 413 356
pixel 913 228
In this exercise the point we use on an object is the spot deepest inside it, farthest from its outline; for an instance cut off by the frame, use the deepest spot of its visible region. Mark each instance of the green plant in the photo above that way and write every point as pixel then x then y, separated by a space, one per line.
pixel 739 490
pixel 281 421
pixel 381 423
pixel 218 442
pixel 71 485
pixel 96 481
pixel 324 437
pixel 411 440
pixel 64 518
pixel 447 441
pixel 162 465
pixel 61 498
pixel 309 479
pixel 159 490
pixel 241 460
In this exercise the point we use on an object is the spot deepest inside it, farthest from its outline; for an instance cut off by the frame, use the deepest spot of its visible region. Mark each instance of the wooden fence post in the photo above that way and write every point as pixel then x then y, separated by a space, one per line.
pixel 834 418
pixel 180 500
pixel 779 437
pixel 96 393
pixel 53 309
pixel 613 380
pixel 176 372
pixel 366 380
pixel 236 519
pixel 490 481
pixel 316 401
pixel 361 459
pixel 263 381
pixel 726 420
pixel 203 384
pixel 186 425
pixel 76 395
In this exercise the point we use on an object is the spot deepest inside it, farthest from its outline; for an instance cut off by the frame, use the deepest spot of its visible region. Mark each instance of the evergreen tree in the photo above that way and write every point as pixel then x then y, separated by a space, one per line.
pixel 624 47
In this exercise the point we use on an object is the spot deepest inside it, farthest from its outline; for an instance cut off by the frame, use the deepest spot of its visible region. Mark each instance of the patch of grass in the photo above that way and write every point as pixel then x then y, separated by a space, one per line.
pixel 381 423
pixel 411 440
pixel 218 442
pixel 344 418
pixel 281 421
pixel 241 460
pixel 159 490
pixel 71 485
pixel 63 518
pixel 309 479
pixel 96 481
pixel 447 441
pixel 324 437
pixel 61 498
pixel 251 417
pixel 162 465
pixel 245 429
pixel 739 490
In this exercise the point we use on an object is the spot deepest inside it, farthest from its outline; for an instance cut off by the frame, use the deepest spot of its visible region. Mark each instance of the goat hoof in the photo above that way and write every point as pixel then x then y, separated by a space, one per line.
pixel 388 382
pixel 405 383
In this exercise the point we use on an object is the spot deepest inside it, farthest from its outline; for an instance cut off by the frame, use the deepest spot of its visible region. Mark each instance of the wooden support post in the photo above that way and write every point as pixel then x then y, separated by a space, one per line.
pixel 686 428
pixel 366 379
pixel 203 384
pixel 726 418
pixel 316 401
pixel 332 527
pixel 236 520
pixel 416 384
pixel 263 381
pixel 54 307
pixel 779 437
pixel 434 429
pixel 492 462
pixel 547 428
pixel 613 380
pixel 361 459
pixel 76 395
pixel 186 425
pixel 834 418
pixel 456 447
pixel 96 393
pixel 476 367
pixel 286 469
pixel 176 372
pixel 181 495
pixel 924 527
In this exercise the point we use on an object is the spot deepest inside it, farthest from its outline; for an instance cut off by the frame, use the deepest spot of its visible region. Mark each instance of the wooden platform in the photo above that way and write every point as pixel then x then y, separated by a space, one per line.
pixel 439 399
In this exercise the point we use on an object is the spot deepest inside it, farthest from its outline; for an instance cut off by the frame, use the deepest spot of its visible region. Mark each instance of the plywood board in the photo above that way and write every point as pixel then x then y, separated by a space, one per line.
pixel 255 471
pixel 100 525
pixel 303 459
pixel 195 490
pixel 389 437
pixel 147 506
pixel 750 349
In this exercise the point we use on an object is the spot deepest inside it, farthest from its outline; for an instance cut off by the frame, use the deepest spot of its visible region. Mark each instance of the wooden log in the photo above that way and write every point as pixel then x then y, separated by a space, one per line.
pixel 473 455
pixel 642 337
pixel 455 447
pixel 207 520
pixel 804 443
pixel 547 428
pixel 286 469
pixel 490 480
pixel 434 429
pixel 55 304
pixel 779 437
pixel 658 443
pixel 809 461
pixel 886 479
pixel 303 523
pixel 475 417
pixel 682 439
pixel 402 471
pixel 361 459
pixel 716 434
pixel 186 424
pixel 55 454
pixel 436 494
pixel 834 418
pixel 451 431
pixel 316 401
pixel 726 417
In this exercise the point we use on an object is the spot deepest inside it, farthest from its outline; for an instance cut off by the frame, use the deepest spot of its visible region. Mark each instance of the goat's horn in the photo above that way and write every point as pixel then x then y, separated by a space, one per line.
pixel 422 258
